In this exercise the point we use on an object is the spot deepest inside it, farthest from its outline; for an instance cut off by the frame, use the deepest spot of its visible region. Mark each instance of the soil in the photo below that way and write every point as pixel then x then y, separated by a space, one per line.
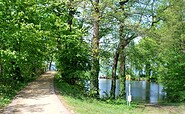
pixel 38 98
pixel 163 109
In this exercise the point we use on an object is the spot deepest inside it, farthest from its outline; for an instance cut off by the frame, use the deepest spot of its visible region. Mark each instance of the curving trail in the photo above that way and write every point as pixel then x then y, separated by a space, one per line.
pixel 38 98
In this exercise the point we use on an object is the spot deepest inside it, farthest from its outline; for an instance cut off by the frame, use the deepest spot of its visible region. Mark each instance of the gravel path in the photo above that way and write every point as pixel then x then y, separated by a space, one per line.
pixel 38 98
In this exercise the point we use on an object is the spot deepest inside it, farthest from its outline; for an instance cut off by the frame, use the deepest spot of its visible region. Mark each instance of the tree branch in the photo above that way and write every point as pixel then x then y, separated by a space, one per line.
pixel 92 4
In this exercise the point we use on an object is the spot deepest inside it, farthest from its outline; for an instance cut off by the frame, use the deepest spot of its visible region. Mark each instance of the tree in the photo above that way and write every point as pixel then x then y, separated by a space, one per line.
pixel 162 51
pixel 131 18
pixel 172 36
pixel 147 59
pixel 20 35
pixel 69 48
pixel 95 68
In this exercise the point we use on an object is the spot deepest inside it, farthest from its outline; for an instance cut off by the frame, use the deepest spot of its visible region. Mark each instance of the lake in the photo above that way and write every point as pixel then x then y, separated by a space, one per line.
pixel 141 91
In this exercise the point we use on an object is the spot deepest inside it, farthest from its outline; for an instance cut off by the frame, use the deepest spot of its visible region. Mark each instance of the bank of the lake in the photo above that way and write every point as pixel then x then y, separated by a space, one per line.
pixel 80 104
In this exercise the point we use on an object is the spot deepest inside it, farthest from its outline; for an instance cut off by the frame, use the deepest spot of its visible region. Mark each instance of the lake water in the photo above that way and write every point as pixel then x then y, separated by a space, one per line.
pixel 141 91
pixel 105 87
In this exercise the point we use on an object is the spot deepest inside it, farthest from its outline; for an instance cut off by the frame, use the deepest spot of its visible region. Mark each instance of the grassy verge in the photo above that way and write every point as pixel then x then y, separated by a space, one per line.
pixel 74 98
pixel 81 104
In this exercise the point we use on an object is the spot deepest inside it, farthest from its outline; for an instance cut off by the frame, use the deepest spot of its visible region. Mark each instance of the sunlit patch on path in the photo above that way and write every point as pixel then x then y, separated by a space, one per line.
pixel 38 98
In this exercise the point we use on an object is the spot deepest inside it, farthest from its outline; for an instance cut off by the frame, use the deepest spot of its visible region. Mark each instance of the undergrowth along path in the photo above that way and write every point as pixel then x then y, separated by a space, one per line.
pixel 38 98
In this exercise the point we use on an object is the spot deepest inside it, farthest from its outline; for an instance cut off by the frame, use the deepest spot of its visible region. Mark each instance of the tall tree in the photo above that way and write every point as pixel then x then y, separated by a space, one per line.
pixel 19 52
pixel 162 51
pixel 172 34
pixel 119 51
pixel 135 19
pixel 95 68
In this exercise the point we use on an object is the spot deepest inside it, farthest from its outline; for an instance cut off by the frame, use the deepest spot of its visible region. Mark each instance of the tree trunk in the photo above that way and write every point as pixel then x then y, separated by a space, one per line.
pixel 50 63
pixel 114 69
pixel 122 70
pixel 119 56
pixel 119 52
pixel 16 70
pixel 71 15
pixel 95 51
pixel 0 67
pixel 122 64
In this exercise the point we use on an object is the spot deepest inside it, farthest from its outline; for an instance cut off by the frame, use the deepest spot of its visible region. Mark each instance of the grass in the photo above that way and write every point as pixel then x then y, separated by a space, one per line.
pixel 96 107
pixel 75 100
pixel 82 104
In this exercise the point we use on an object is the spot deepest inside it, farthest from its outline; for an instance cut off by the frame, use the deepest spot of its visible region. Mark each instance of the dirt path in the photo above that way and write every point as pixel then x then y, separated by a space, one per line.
pixel 38 98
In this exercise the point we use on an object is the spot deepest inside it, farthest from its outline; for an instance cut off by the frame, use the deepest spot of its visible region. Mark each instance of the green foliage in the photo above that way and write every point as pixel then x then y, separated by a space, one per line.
pixel 72 55
pixel 73 58
pixel 33 32
pixel 21 50
pixel 147 58
pixel 173 72
pixel 173 78
pixel 164 51
pixel 67 89
pixel 23 45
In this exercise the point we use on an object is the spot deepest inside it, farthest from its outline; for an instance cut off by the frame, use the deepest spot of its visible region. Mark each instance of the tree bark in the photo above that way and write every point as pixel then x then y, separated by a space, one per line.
pixel 122 70
pixel 0 69
pixel 119 55
pixel 71 15
pixel 122 48
pixel 50 63
pixel 95 50
pixel 114 69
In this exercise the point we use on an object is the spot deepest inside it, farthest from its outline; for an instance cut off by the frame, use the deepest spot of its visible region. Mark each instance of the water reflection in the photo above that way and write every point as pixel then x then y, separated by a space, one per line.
pixel 138 90
pixel 144 91
pixel 141 91
pixel 105 87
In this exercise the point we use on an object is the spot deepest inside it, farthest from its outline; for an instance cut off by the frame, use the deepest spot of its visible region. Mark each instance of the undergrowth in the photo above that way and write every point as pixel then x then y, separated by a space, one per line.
pixel 9 89
pixel 82 103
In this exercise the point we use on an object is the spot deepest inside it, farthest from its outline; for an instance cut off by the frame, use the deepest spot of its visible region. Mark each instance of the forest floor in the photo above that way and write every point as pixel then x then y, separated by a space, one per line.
pixel 37 98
